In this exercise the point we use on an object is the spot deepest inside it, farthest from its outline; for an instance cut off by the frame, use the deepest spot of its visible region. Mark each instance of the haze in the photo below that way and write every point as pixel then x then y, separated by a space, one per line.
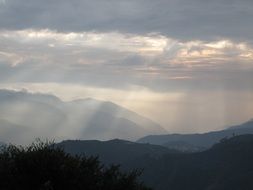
pixel 185 64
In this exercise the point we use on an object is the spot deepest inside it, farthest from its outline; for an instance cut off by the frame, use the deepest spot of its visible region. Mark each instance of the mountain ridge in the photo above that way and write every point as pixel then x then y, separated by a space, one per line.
pixel 226 165
pixel 47 116
pixel 115 151
pixel 204 140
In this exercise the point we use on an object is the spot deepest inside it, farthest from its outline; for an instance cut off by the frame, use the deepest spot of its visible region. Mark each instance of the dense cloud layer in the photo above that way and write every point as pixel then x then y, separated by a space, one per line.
pixel 180 19
pixel 155 62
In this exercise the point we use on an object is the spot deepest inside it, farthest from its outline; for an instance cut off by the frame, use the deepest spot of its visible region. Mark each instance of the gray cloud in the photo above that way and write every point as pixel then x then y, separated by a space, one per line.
pixel 180 19
pixel 142 52
pixel 154 62
pixel 168 80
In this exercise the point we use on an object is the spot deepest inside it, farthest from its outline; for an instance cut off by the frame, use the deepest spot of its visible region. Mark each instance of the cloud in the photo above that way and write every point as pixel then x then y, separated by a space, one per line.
pixel 141 50
pixel 179 19
pixel 153 61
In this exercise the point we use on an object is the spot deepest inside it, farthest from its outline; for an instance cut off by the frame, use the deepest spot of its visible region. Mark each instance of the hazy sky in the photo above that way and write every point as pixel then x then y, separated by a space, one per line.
pixel 187 64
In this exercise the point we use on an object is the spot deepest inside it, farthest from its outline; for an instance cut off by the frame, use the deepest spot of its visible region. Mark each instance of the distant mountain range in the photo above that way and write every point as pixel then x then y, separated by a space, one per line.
pixel 114 151
pixel 226 165
pixel 197 142
pixel 25 116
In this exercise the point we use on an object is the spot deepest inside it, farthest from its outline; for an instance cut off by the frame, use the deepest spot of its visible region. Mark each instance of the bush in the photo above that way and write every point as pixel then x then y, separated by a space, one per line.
pixel 43 166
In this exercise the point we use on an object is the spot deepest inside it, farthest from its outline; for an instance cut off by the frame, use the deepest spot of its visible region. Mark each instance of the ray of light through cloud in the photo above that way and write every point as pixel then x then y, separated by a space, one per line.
pixel 141 65
pixel 153 57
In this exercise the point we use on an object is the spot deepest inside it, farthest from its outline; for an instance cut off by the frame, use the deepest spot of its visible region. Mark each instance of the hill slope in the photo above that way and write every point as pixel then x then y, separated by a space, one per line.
pixel 227 165
pixel 199 141
pixel 114 151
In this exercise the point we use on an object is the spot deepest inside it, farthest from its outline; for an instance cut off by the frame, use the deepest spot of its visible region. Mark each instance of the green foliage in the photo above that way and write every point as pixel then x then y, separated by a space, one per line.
pixel 43 166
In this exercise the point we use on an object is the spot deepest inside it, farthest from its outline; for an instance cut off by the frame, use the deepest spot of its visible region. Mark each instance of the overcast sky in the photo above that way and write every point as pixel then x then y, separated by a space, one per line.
pixel 187 64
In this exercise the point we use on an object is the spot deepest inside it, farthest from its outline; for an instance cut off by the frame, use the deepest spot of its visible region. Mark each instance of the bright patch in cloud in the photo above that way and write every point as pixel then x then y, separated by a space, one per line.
pixel 89 47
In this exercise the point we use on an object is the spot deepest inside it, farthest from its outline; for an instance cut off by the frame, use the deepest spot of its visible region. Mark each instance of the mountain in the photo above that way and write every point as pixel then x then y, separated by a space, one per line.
pixel 46 116
pixel 183 146
pixel 108 119
pixel 226 165
pixel 246 125
pixel 114 151
pixel 9 131
pixel 25 116
pixel 197 141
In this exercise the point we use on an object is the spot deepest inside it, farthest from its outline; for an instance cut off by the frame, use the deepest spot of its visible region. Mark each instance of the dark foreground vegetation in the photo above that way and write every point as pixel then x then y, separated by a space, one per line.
pixel 45 167
pixel 228 165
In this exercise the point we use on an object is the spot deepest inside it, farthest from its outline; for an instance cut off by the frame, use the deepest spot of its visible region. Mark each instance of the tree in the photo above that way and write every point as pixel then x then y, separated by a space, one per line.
pixel 43 166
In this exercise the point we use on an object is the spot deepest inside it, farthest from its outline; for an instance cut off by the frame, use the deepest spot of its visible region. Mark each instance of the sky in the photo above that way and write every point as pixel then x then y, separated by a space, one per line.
pixel 186 64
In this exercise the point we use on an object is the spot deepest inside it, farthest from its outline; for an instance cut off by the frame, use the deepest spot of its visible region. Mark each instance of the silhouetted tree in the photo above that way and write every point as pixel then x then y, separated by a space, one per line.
pixel 43 166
